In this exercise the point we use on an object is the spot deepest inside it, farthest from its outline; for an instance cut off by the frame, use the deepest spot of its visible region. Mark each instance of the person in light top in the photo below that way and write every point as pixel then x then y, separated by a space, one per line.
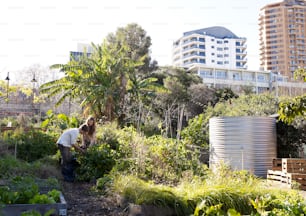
pixel 65 143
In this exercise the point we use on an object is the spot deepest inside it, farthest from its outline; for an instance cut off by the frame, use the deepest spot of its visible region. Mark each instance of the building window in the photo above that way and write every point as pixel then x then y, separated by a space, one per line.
pixel 202 61
pixel 219 49
pixel 260 78
pixel 220 74
pixel 202 39
pixel 219 56
pixel 207 74
pixel 212 47
pixel 219 62
pixel 236 76
pixel 201 46
pixel 219 42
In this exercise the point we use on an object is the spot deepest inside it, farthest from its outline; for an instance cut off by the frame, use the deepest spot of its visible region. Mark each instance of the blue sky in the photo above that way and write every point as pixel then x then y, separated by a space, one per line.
pixel 43 32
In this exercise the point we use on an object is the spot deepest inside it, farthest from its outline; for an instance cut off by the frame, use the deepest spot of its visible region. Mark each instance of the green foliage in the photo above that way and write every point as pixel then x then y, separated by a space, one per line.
pixel 104 182
pixel 138 44
pixel 36 213
pixel 4 122
pixel 300 74
pixel 291 108
pixel 126 151
pixel 246 105
pixel 56 123
pixel 34 144
pixel 196 133
pixel 97 161
pixel 204 209
pixel 167 159
pixel 42 199
pixel 24 190
pixel 225 94
pixel 55 195
pixel 202 197
pixel 10 167
pixel 141 192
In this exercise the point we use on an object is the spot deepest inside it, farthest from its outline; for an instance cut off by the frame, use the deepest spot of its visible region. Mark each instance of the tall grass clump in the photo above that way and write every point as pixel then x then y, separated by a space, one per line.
pixel 238 192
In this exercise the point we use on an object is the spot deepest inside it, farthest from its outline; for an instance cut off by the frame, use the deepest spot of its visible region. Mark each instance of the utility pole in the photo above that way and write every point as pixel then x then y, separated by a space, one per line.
pixel 7 87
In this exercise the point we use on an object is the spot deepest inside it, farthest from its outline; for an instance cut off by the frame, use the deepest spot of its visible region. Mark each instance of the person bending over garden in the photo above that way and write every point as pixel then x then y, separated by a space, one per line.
pixel 89 138
pixel 65 142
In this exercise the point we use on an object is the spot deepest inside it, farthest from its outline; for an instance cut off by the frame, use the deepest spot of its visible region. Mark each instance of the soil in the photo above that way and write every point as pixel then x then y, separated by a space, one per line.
pixel 83 201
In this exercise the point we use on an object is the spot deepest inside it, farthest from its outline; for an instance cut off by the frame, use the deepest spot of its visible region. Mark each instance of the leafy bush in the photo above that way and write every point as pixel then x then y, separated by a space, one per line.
pixel 97 161
pixel 24 190
pixel 34 144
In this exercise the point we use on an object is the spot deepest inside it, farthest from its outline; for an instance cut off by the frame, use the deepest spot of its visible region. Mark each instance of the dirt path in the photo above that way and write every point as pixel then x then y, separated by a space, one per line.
pixel 82 201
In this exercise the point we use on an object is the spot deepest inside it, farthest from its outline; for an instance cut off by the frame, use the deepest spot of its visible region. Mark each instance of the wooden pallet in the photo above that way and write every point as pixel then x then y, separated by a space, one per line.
pixel 288 171
pixel 277 175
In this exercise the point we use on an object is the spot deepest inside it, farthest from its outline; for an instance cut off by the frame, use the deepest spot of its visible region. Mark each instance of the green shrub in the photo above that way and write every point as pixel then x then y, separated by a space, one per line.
pixel 34 144
pixel 97 161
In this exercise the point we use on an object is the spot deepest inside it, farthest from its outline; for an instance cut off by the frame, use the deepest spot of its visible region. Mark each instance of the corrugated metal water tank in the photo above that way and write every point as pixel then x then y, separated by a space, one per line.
pixel 245 143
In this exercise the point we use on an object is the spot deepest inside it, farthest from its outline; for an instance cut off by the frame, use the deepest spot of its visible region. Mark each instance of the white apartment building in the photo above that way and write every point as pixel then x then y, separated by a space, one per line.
pixel 218 56
pixel 214 46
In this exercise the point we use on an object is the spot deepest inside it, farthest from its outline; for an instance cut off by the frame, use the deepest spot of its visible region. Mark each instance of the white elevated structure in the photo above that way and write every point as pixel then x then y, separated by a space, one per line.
pixel 237 79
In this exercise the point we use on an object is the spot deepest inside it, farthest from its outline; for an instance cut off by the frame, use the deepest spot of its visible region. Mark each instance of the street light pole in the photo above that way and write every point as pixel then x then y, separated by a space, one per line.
pixel 7 87
pixel 33 81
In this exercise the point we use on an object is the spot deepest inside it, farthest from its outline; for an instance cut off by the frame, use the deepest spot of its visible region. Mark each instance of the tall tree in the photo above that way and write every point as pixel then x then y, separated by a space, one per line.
pixel 138 43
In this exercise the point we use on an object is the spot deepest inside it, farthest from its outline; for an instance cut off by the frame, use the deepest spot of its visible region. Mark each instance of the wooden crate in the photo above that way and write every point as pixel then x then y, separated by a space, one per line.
pixel 297 177
pixel 294 165
pixel 277 164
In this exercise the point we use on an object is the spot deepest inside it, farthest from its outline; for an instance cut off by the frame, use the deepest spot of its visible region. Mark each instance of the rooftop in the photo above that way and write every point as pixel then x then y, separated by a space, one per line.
pixel 215 31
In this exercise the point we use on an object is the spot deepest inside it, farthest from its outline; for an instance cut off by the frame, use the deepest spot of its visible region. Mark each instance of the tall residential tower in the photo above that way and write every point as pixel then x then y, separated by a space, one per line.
pixel 214 46
pixel 282 28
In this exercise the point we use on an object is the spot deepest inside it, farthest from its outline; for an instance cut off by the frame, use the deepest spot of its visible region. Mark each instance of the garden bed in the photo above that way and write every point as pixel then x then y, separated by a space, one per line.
pixel 60 209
